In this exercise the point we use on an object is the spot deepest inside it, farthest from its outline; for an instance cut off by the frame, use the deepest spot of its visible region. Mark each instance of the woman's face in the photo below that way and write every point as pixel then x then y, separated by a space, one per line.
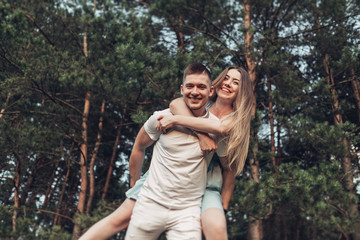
pixel 229 87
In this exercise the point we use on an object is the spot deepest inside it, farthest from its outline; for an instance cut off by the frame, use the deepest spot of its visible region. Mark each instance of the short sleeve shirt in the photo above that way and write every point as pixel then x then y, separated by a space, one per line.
pixel 177 173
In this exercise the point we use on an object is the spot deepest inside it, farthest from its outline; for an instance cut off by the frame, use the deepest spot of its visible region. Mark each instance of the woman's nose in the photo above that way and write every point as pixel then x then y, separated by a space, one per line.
pixel 227 82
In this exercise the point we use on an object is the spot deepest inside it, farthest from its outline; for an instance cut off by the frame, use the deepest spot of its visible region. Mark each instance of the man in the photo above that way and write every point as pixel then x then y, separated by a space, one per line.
pixel 171 196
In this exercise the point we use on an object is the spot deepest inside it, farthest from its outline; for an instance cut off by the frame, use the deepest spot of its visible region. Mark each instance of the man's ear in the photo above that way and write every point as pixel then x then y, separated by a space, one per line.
pixel 211 91
pixel 181 89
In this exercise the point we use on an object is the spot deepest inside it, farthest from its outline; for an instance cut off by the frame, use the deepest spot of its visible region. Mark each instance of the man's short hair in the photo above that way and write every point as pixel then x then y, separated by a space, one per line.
pixel 196 68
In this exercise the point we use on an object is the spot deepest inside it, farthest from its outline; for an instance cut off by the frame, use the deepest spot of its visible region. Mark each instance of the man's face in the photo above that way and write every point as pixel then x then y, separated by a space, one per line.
pixel 196 90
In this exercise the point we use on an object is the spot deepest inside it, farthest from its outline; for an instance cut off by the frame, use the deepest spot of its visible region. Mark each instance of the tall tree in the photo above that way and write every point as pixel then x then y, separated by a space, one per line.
pixel 255 225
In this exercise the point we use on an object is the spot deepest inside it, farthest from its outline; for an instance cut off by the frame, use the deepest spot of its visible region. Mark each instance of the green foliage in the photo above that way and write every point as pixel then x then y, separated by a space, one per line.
pixel 53 234
pixel 134 57
pixel 5 226
pixel 312 197
pixel 102 210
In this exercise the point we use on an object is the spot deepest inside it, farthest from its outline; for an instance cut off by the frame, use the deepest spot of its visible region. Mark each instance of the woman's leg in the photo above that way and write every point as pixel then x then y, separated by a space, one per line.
pixel 213 221
pixel 112 224
pixel 213 224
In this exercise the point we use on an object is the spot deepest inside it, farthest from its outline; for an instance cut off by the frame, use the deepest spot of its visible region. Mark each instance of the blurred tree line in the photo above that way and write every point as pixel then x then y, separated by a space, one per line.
pixel 78 79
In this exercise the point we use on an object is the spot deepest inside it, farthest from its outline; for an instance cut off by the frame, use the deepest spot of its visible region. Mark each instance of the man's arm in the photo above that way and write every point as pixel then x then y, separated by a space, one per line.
pixel 228 185
pixel 137 156
pixel 178 107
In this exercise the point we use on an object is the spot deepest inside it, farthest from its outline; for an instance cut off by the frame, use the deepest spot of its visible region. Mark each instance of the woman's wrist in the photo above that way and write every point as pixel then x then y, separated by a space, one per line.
pixel 176 120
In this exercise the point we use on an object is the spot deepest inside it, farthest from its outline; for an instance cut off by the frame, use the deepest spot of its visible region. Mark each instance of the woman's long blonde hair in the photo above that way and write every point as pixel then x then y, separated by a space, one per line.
pixel 239 136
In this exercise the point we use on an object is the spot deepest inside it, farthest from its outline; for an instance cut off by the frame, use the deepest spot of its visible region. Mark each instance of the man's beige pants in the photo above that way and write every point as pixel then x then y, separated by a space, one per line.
pixel 150 219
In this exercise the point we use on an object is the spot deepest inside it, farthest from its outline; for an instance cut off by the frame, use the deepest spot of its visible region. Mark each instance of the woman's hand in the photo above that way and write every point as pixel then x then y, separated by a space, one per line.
pixel 207 144
pixel 165 122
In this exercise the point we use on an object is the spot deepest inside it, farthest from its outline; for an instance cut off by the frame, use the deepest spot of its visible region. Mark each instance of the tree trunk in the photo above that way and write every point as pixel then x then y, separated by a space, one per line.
pixel 298 230
pixel 83 169
pixel 26 189
pixel 113 156
pixel 346 161
pixel 271 117
pixel 83 152
pixel 278 151
pixel 255 231
pixel 49 188
pixel 314 233
pixel 92 162
pixel 68 164
pixel 356 88
pixel 178 29
pixel 6 103
pixel 52 190
pixel 16 192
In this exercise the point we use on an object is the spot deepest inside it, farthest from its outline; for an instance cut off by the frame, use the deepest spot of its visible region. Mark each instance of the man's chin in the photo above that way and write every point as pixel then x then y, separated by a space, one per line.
pixel 195 106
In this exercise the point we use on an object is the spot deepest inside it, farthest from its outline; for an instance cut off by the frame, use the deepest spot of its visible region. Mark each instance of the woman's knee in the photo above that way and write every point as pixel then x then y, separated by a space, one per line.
pixel 213 224
pixel 121 216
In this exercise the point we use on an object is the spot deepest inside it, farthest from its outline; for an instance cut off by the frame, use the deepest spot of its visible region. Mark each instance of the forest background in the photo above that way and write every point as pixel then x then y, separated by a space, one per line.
pixel 78 79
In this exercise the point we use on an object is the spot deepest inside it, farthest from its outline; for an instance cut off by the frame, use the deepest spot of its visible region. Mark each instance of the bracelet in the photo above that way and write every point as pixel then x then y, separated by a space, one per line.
pixel 194 132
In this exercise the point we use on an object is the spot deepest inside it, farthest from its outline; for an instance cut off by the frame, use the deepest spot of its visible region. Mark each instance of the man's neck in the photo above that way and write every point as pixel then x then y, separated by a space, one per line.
pixel 199 112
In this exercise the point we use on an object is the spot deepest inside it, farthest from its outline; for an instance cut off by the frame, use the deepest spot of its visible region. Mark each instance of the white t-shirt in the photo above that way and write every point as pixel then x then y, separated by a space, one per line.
pixel 177 173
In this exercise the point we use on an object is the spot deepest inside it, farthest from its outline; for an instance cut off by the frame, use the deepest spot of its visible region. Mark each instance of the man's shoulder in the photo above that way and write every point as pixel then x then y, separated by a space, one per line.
pixel 152 120
pixel 150 124
pixel 164 111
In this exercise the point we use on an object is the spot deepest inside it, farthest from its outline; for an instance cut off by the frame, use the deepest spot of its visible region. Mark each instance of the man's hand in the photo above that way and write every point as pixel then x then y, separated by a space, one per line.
pixel 207 144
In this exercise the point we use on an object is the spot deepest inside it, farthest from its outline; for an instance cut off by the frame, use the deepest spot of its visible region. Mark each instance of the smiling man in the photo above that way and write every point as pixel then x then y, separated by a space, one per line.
pixel 170 198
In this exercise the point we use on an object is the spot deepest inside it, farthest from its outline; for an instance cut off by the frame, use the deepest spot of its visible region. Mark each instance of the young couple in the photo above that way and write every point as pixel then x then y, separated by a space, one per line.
pixel 176 185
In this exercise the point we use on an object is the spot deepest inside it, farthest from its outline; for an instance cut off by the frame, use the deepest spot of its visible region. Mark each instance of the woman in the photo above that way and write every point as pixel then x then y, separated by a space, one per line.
pixel 232 104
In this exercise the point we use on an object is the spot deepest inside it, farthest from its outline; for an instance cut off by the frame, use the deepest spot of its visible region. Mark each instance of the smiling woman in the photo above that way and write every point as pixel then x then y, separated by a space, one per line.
pixel 229 87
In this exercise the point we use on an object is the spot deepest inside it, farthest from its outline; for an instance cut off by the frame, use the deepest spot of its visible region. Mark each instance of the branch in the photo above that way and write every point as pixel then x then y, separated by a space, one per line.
pixel 7 178
pixel 144 103
pixel 41 31
pixel 126 124
pixel 52 98
pixel 51 212
pixel 144 3
pixel 317 28
pixel 214 37
pixel 74 36
pixel 213 24
pixel 36 25
pixel 287 10
pixel 4 55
